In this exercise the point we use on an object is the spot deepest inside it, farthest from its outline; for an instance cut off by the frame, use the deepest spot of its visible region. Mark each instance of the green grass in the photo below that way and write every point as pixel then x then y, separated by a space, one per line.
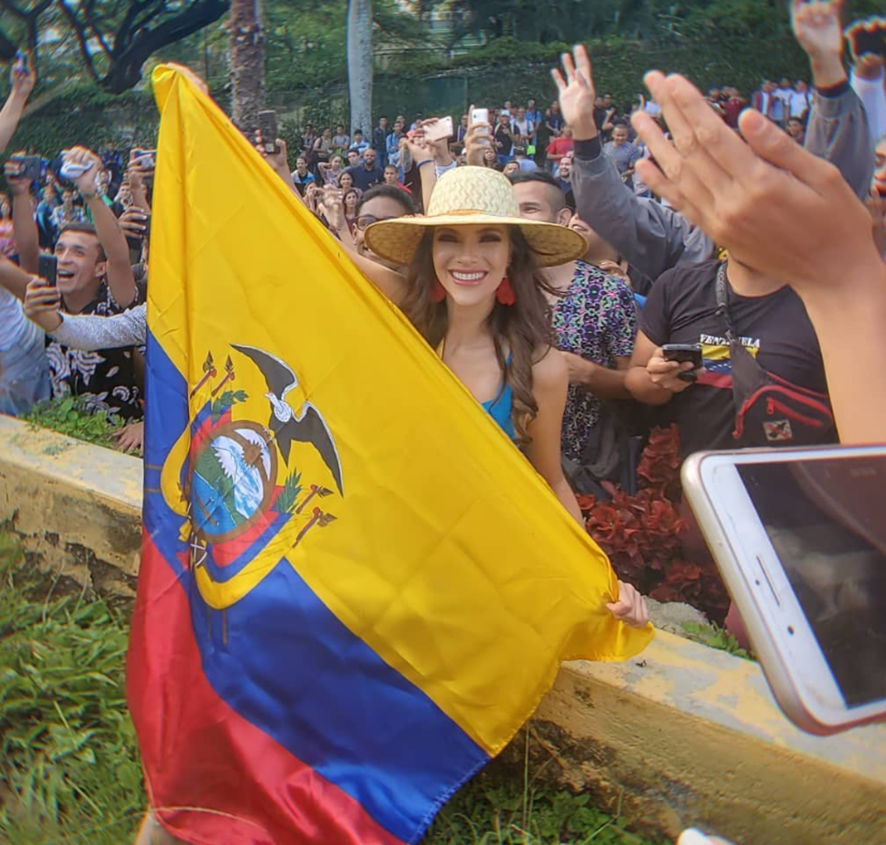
pixel 69 768
pixel 494 809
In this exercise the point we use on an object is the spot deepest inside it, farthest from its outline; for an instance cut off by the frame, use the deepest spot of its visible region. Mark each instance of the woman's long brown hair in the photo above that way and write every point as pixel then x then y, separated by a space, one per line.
pixel 523 329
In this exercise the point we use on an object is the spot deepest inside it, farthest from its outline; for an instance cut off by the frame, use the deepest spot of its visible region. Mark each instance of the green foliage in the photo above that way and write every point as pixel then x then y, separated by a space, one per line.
pixel 716 637
pixel 69 768
pixel 496 809
pixel 70 415
pixel 289 494
pixel 85 115
pixel 226 401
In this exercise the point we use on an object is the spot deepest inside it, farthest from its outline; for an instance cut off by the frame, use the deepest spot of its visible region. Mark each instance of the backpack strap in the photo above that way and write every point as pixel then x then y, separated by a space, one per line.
pixel 723 304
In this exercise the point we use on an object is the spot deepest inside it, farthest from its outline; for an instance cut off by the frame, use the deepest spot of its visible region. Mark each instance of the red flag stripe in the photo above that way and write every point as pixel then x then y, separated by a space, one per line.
pixel 238 774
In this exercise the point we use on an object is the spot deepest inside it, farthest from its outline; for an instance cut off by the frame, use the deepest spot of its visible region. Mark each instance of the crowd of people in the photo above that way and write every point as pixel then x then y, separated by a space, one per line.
pixel 650 317
pixel 588 271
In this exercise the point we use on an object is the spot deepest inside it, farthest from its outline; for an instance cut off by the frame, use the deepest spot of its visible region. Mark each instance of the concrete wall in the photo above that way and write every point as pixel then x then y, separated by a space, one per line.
pixel 682 735
pixel 77 507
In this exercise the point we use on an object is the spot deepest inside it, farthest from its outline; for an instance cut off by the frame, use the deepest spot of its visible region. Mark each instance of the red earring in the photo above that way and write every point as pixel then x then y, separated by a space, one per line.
pixel 505 293
pixel 438 292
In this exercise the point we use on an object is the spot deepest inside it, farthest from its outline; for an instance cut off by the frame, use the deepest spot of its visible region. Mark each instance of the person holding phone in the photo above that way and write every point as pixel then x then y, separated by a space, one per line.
pixel 785 213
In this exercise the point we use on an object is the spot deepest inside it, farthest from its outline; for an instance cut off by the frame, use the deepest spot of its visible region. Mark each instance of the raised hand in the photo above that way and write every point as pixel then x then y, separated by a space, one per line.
pixel 438 149
pixel 23 81
pixel 332 207
pixel 41 304
pixel 577 94
pixel 278 160
pixel 869 66
pixel 133 222
pixel 477 141
pixel 816 26
pixel 18 184
pixel 778 209
pixel 87 182
pixel 417 145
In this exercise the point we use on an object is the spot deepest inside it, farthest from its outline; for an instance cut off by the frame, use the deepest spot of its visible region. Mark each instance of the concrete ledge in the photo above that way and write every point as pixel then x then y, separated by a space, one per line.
pixel 682 735
pixel 76 507
pixel 688 735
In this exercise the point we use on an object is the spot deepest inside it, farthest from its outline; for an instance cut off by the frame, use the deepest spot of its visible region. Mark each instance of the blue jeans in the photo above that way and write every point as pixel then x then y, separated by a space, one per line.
pixel 24 373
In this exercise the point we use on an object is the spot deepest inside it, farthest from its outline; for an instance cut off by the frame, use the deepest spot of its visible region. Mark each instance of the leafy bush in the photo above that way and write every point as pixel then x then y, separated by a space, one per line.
pixel 716 637
pixel 86 115
pixel 72 415
pixel 642 534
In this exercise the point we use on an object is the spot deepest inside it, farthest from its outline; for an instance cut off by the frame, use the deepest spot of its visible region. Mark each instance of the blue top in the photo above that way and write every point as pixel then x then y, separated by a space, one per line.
pixel 500 410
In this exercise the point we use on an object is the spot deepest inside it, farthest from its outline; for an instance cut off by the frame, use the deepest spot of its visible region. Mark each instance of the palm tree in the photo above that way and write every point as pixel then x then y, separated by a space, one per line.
pixel 246 60
pixel 360 64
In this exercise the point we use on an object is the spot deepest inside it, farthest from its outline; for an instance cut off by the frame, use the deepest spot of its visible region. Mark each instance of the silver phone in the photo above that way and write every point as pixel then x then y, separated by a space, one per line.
pixel 799 536
pixel 480 116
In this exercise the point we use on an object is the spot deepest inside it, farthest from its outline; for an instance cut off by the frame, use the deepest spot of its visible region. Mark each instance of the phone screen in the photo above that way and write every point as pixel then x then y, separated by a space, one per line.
pixel 825 519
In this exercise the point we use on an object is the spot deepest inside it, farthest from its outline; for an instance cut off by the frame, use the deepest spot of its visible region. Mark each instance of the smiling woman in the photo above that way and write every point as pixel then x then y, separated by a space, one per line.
pixel 473 290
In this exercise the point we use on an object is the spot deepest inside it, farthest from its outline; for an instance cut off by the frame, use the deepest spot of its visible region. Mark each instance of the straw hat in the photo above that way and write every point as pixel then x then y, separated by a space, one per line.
pixel 472 196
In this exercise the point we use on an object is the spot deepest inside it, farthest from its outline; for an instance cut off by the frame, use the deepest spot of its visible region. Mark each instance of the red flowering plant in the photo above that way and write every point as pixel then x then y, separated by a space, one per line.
pixel 643 534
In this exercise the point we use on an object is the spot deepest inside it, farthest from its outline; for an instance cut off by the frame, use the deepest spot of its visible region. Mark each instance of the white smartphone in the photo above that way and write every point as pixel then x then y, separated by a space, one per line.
pixel 441 128
pixel 799 536
pixel 479 116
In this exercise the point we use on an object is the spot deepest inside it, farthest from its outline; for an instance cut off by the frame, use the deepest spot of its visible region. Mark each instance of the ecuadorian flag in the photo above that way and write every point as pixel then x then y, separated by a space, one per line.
pixel 354 589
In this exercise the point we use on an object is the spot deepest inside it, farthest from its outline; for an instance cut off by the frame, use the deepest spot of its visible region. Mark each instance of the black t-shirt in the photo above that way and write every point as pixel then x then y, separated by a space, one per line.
pixel 503 137
pixel 364 179
pixel 682 308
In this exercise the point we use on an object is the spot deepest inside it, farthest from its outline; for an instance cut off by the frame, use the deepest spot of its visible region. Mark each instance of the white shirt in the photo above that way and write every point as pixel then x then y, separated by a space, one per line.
pixel 12 321
pixel 652 108
pixel 92 332
pixel 872 96
pixel 798 103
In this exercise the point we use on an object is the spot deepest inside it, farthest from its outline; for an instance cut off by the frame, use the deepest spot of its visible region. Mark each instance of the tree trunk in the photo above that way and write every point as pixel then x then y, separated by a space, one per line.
pixel 246 59
pixel 360 65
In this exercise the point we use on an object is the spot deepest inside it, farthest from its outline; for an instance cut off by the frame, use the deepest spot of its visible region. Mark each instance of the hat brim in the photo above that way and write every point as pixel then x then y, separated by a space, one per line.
pixel 397 240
